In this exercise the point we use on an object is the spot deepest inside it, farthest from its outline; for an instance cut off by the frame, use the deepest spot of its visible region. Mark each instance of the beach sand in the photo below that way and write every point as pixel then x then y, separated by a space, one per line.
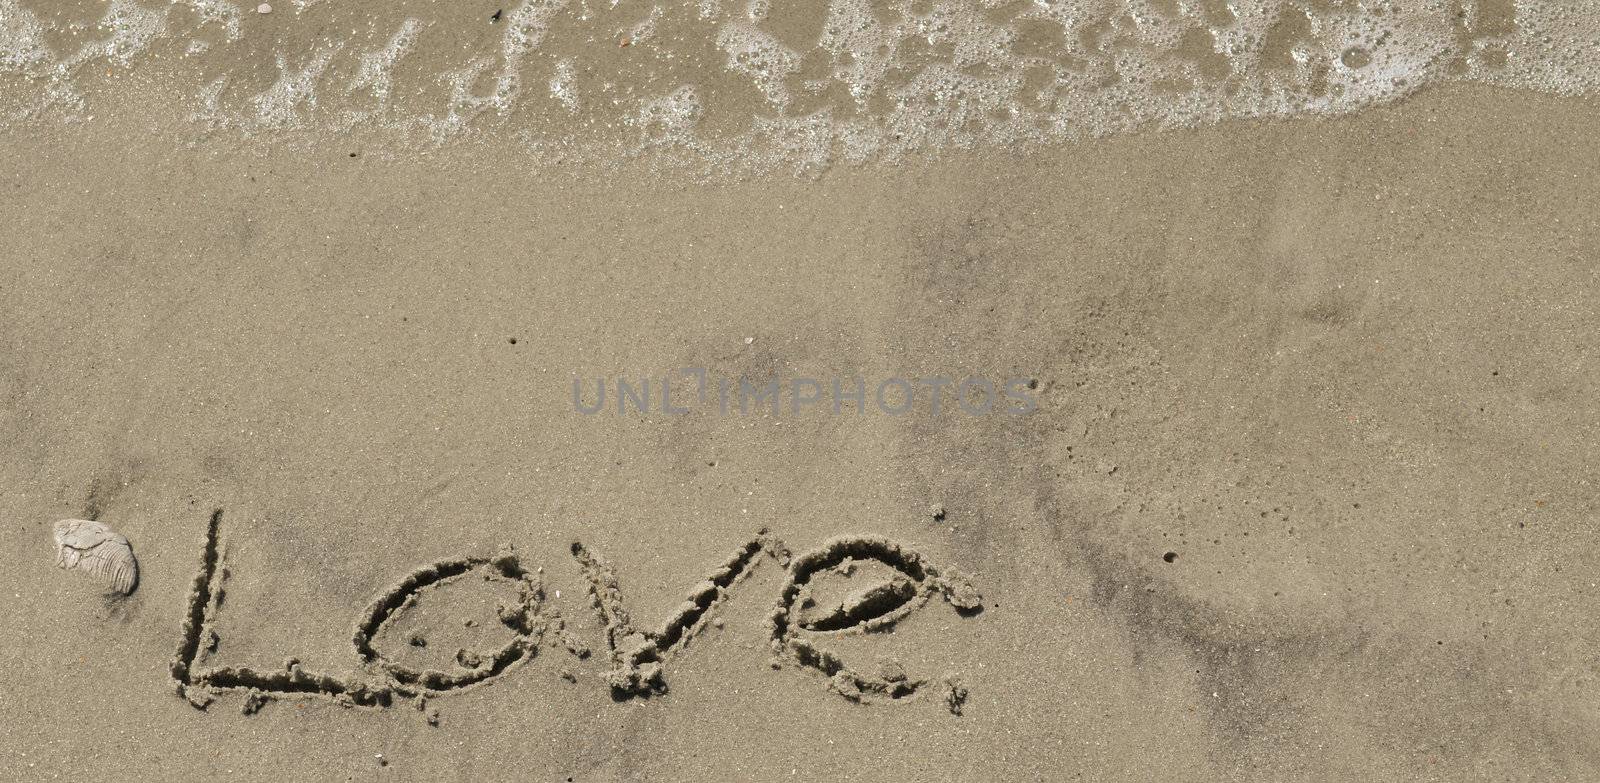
pixel 1309 492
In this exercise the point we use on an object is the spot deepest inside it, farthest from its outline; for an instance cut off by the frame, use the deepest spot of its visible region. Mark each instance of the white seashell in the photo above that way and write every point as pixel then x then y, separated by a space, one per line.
pixel 97 550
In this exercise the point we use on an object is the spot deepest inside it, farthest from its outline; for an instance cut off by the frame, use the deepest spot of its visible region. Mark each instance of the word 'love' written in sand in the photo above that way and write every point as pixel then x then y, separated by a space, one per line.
pixel 803 620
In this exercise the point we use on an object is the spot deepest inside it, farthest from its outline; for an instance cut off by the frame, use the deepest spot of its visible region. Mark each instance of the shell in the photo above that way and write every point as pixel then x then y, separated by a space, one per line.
pixel 97 550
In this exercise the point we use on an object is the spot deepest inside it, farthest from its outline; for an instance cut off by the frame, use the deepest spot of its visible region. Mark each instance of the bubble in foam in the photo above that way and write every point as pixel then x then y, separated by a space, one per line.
pixel 761 57
pixel 670 117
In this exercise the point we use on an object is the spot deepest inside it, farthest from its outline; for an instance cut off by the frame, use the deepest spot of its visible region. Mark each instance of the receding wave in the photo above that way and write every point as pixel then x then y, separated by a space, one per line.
pixel 766 83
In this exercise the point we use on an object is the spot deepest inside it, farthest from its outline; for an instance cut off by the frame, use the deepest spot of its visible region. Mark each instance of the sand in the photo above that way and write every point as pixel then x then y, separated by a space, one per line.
pixel 1307 491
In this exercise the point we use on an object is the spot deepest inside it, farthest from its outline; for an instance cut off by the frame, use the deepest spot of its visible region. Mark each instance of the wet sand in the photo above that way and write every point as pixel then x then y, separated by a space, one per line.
pixel 1309 493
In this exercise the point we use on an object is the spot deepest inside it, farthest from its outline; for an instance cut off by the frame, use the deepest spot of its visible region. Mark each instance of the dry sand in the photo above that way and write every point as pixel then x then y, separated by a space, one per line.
pixel 1309 493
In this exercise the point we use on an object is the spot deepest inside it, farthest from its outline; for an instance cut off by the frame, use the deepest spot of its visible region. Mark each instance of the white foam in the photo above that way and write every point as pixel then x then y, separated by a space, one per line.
pixel 755 53
pixel 562 86
pixel 133 28
pixel 281 105
pixel 22 46
pixel 376 72
pixel 644 30
pixel 883 78
pixel 222 12
pixel 130 30
pixel 671 117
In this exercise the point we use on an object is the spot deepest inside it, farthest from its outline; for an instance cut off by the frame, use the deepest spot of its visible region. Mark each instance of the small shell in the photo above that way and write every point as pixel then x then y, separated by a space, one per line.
pixel 97 550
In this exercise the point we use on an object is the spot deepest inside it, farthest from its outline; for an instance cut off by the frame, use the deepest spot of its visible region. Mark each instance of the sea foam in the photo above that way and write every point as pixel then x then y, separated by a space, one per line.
pixel 762 84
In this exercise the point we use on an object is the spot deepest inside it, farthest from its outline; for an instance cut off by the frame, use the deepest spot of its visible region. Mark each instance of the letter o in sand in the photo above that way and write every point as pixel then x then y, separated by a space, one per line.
pixel 518 614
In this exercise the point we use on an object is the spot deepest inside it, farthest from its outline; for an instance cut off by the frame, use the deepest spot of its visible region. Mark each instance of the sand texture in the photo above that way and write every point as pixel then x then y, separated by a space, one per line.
pixel 1307 490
